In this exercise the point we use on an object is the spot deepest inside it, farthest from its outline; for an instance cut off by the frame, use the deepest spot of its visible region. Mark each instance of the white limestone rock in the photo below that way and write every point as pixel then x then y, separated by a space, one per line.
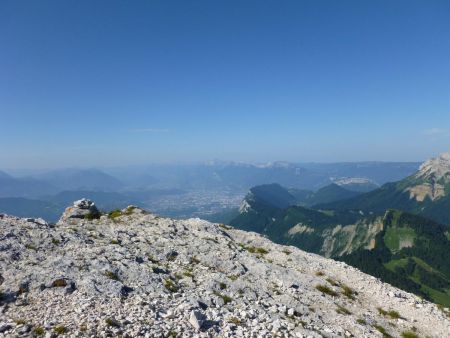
pixel 139 275
pixel 80 210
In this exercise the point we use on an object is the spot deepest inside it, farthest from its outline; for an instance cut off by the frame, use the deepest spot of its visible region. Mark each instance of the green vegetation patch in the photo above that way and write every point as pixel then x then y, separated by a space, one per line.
pixel 171 286
pixel 60 329
pixel 332 281
pixel 396 263
pixel 441 297
pixel 226 299
pixel 348 292
pixel 409 334
pixel 226 227
pixel 114 214
pixel 342 310
pixel 326 290
pixel 38 331
pixel 383 331
pixel 398 238
pixel 112 275
pixel 112 322
pixel 129 210
pixel 391 313
pixel 188 274
pixel 257 250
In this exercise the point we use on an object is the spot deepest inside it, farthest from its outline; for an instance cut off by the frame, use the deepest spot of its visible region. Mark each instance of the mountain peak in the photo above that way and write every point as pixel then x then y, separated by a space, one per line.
pixel 431 179
pixel 436 168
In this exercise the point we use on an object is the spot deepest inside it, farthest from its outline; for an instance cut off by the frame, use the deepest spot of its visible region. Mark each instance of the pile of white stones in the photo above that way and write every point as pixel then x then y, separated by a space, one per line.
pixel 134 274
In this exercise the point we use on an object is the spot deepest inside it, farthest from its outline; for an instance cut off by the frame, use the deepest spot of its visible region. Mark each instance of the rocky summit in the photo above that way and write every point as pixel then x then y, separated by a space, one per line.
pixel 131 273
pixel 437 168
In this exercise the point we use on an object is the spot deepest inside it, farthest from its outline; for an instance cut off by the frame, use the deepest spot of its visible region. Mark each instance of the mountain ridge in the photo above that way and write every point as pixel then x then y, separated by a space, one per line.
pixel 133 273
pixel 357 230
pixel 425 193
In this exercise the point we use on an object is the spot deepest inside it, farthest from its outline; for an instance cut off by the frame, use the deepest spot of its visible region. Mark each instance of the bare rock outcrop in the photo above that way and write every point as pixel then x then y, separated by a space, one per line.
pixel 80 209
pixel 134 274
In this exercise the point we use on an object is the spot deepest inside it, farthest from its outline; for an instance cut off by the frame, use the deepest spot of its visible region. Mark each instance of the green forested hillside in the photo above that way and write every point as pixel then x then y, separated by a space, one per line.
pixel 412 253
pixel 272 195
pixel 403 249
pixel 330 193
pixel 398 232
pixel 281 197
pixel 394 195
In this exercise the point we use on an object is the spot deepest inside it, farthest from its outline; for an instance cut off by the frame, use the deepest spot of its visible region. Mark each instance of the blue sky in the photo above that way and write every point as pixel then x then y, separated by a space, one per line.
pixel 117 82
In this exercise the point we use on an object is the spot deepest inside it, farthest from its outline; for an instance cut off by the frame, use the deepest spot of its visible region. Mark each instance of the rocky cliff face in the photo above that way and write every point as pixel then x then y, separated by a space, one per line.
pixel 436 168
pixel 432 178
pixel 134 274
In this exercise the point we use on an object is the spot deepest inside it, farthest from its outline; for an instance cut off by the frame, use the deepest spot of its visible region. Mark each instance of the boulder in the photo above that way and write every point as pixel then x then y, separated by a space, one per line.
pixel 197 319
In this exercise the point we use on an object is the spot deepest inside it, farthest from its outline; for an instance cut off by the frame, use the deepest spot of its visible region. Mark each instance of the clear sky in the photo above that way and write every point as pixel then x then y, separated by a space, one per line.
pixel 128 82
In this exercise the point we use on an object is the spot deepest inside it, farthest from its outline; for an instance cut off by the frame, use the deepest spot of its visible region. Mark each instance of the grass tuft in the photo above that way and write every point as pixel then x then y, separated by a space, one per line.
pixel 60 329
pixel 226 299
pixel 171 286
pixel 112 275
pixel 112 322
pixel 235 321
pixel 332 281
pixel 129 210
pixel 394 314
pixel 254 249
pixel 114 214
pixel 326 290
pixel 409 334
pixel 348 292
pixel 38 331
pixel 391 313
pixel 342 310
pixel 383 331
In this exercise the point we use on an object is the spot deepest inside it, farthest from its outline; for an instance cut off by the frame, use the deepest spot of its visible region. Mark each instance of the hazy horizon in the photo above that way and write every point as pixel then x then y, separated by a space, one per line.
pixel 30 169
pixel 108 83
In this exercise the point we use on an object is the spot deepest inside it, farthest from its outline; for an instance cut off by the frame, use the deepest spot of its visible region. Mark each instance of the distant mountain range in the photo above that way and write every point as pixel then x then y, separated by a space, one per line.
pixel 23 186
pixel 362 176
pixel 81 179
pixel 242 176
pixel 143 185
pixel 382 232
pixel 426 193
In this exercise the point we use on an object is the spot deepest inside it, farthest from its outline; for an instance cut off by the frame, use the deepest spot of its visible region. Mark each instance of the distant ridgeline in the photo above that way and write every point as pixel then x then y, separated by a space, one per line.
pixel 399 232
